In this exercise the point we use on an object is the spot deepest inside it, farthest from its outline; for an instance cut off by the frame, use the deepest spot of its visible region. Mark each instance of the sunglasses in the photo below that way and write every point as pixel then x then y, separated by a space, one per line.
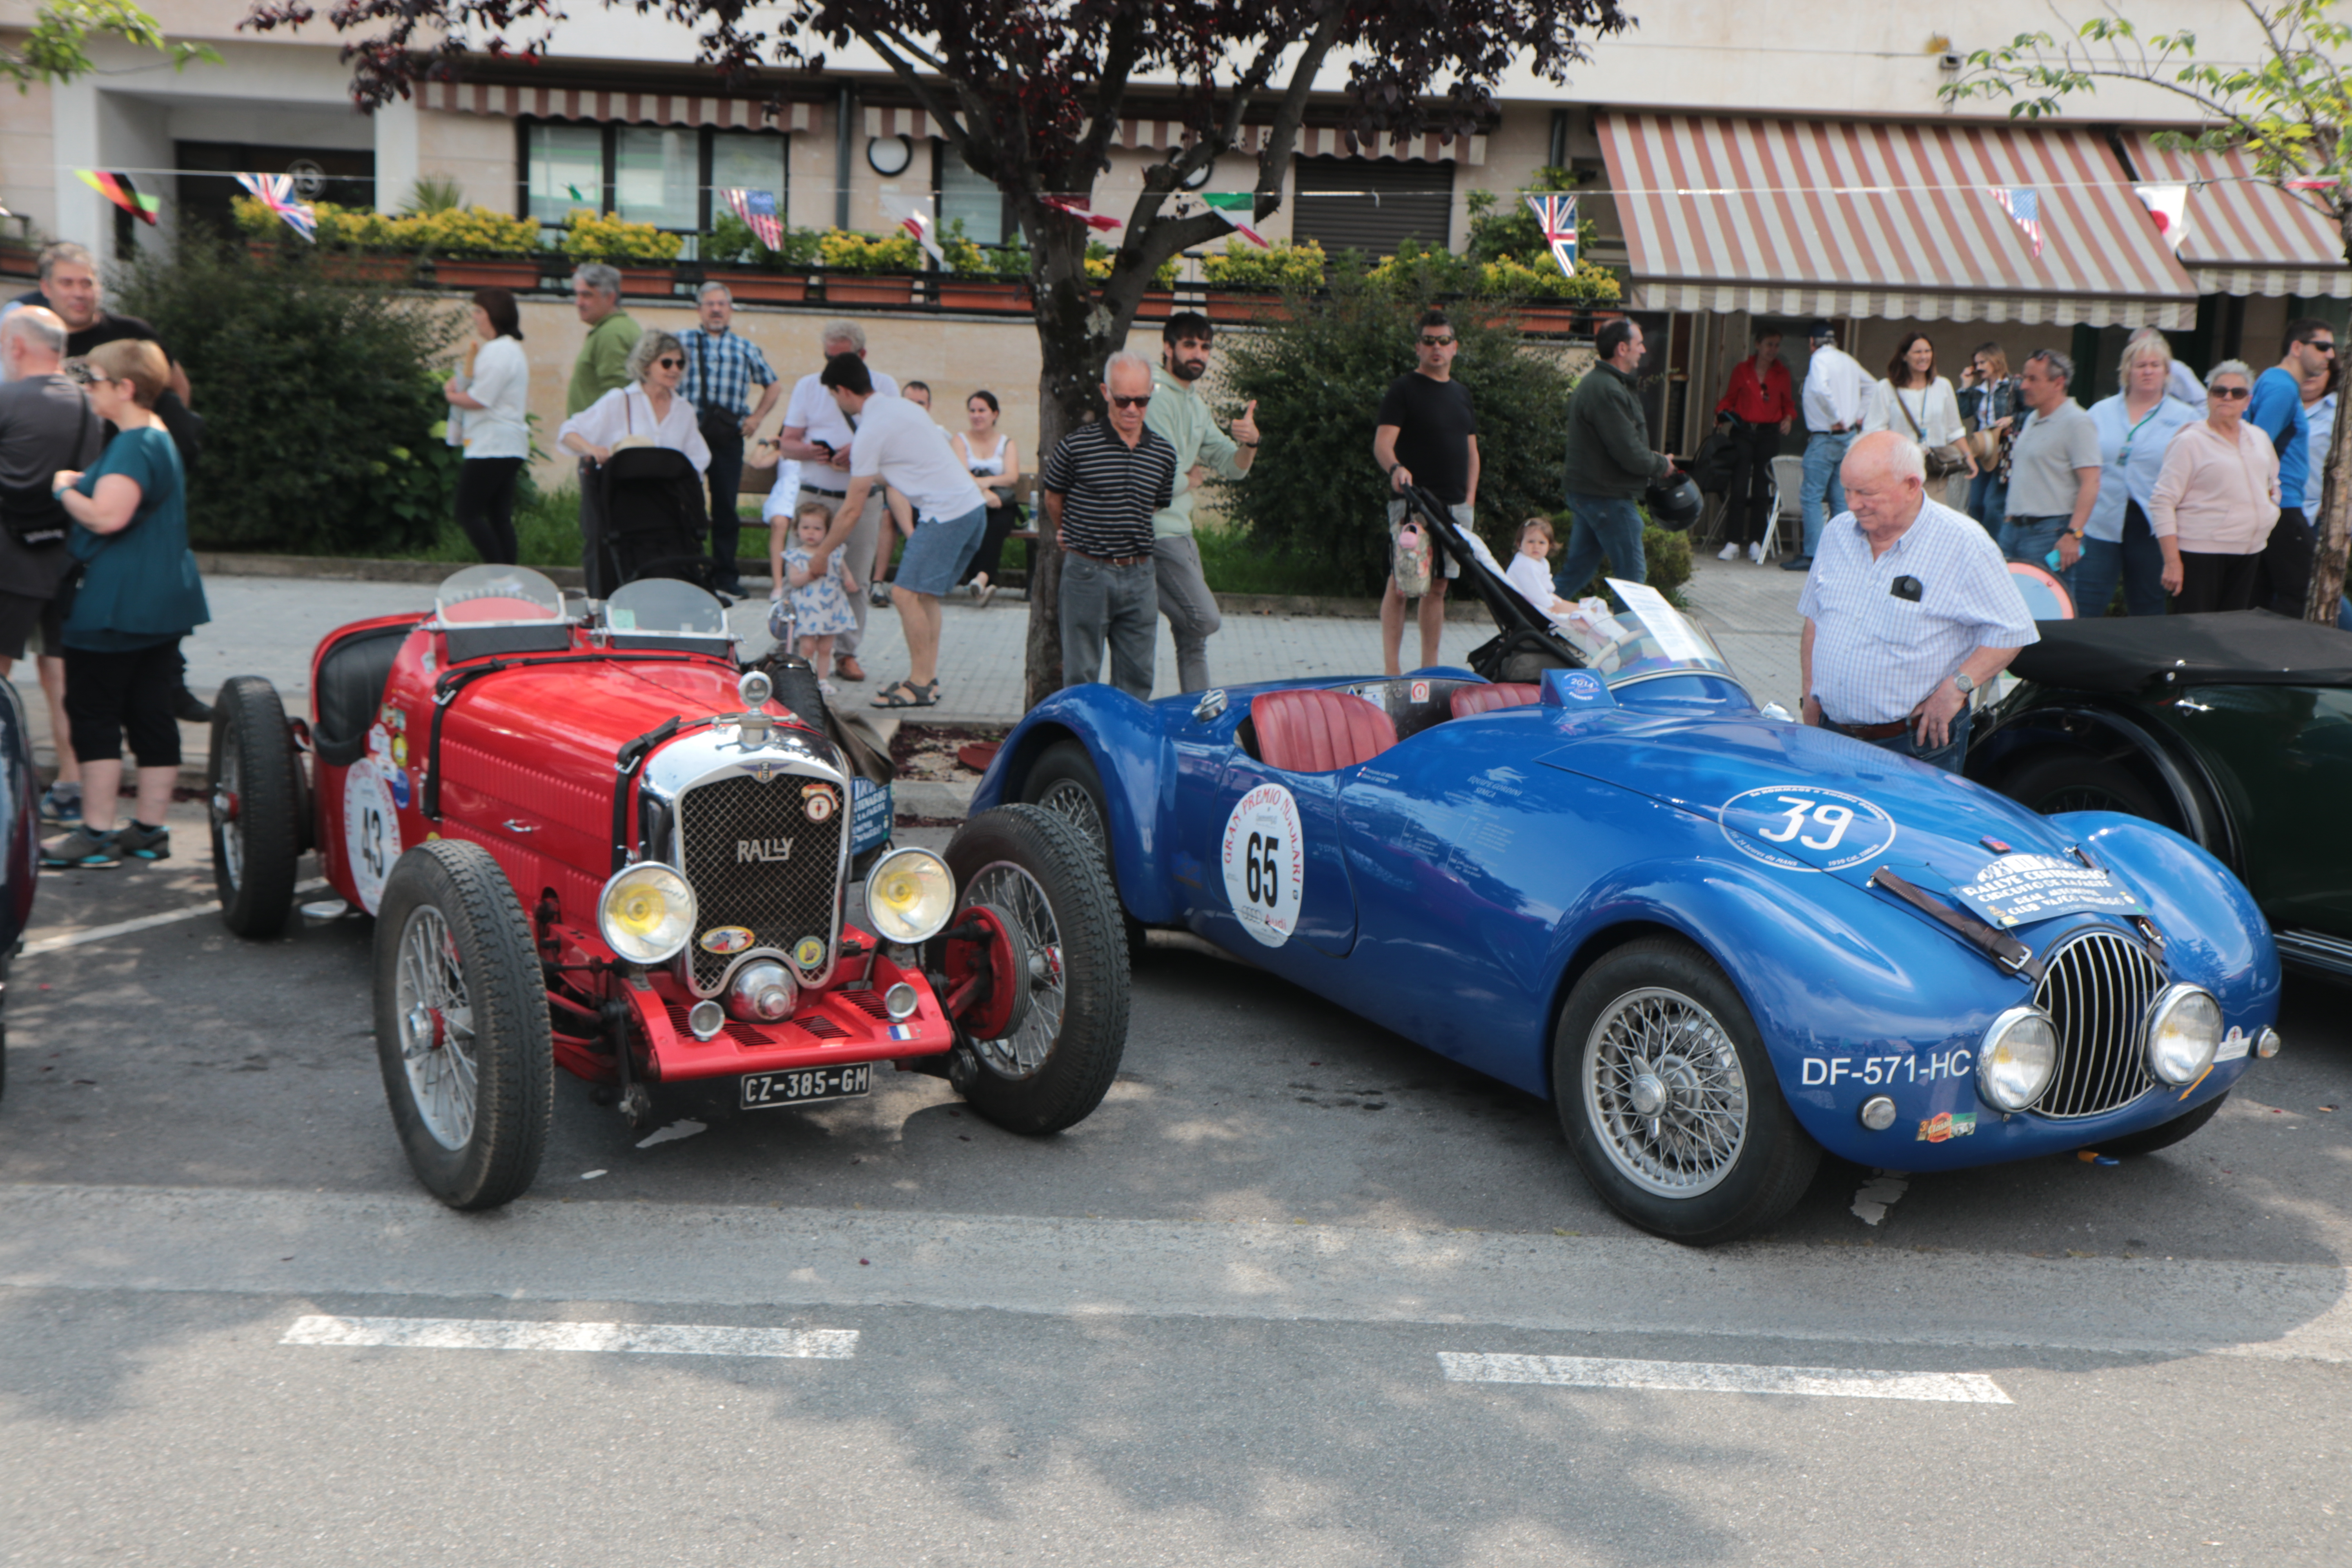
pixel 1130 402
pixel 2230 392
pixel 670 362
pixel 1429 342
pixel 2325 348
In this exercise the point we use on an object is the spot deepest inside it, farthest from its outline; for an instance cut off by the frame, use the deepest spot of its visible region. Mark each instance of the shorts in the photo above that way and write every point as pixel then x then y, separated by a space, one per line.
pixel 113 695
pixel 1461 513
pixel 34 624
pixel 940 551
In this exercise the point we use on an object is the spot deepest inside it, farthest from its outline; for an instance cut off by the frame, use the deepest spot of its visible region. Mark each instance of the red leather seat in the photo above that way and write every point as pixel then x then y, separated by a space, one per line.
pixel 1469 700
pixel 1315 731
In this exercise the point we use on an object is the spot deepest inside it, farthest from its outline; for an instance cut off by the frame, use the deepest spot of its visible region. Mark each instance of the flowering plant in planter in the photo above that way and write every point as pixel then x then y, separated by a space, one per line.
pixel 601 236
pixel 846 250
pixel 478 231
pixel 732 243
pixel 1272 268
pixel 1099 259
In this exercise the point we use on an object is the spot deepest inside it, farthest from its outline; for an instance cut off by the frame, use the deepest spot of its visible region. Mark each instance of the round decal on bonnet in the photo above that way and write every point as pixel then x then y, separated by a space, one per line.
pixel 370 831
pixel 726 938
pixel 1266 863
pixel 1804 827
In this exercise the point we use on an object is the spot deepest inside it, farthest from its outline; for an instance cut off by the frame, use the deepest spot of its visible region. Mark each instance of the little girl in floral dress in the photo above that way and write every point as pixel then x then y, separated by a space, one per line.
pixel 820 602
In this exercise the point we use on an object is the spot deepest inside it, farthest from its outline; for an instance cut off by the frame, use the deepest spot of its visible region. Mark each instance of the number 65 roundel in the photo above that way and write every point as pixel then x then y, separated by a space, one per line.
pixel 1265 862
pixel 1804 827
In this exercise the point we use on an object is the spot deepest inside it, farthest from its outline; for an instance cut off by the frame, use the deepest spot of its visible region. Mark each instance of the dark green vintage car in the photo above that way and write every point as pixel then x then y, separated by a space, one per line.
pixel 2233 730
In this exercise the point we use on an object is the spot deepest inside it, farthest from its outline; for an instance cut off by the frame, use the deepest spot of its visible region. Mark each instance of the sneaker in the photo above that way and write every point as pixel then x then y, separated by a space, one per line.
pixel 82 847
pixel 1797 563
pixel 1728 553
pixel 190 709
pixel 133 841
pixel 65 810
pixel 1755 553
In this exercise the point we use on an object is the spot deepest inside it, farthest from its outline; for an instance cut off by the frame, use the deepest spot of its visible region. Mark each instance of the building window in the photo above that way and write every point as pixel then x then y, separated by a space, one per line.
pixel 660 174
pixel 962 194
pixel 1373 204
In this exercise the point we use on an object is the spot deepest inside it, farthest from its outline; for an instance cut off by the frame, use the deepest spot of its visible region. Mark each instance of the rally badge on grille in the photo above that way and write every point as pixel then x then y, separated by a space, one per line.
pixel 726 938
pixel 818 801
pixel 810 953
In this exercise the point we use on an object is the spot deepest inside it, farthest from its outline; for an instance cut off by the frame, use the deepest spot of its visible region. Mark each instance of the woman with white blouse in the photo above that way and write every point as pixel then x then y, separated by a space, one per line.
pixel 1913 401
pixel 488 399
pixel 2216 499
pixel 648 412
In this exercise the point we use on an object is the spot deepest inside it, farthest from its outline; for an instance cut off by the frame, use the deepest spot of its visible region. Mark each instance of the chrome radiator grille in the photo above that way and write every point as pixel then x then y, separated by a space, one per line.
pixel 2097 987
pixel 756 860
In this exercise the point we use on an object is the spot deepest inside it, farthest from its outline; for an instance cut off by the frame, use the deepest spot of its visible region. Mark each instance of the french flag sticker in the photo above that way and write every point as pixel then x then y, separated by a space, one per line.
pixel 902 1031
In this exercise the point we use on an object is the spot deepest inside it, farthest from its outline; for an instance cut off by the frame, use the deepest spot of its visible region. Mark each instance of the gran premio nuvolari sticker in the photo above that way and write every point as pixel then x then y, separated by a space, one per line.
pixel 1266 863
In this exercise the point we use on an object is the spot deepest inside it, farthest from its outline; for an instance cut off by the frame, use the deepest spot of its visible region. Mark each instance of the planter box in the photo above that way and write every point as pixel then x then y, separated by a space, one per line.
pixel 883 288
pixel 1156 305
pixel 759 288
pixel 1238 307
pixel 659 282
pixel 982 294
pixel 519 273
pixel 18 262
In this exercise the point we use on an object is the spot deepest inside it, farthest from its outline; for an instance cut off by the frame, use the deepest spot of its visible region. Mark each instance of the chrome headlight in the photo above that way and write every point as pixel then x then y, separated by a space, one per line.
pixel 646 913
pixel 2184 1030
pixel 2018 1060
pixel 909 896
pixel 762 993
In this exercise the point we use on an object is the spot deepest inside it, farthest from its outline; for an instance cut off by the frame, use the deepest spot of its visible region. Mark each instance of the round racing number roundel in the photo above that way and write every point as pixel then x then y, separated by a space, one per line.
pixel 1266 863
pixel 1804 827
pixel 370 831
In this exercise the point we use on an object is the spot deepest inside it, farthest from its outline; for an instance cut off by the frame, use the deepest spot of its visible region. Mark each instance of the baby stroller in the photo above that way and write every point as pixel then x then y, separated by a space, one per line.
pixel 654 517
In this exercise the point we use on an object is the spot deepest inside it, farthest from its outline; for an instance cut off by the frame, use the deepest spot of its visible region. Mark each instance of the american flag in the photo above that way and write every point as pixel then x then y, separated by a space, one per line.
pixel 1557 214
pixel 2024 209
pixel 757 208
pixel 275 192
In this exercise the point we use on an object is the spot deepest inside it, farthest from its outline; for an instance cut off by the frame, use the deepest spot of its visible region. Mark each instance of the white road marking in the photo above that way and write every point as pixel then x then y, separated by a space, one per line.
pixel 614 1338
pixel 1721 1377
pixel 66 939
pixel 686 1128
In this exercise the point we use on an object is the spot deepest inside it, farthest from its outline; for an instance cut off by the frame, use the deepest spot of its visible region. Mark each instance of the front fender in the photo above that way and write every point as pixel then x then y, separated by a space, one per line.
pixel 1132 752
pixel 2213 934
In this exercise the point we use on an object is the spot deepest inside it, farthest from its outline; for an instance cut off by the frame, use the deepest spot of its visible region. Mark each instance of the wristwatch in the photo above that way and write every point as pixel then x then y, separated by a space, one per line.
pixel 1964 683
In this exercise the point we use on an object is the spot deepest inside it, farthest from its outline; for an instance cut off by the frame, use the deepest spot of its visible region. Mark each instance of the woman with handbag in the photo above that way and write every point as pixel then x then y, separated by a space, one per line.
pixel 995 464
pixel 138 597
pixel 1913 401
pixel 1989 407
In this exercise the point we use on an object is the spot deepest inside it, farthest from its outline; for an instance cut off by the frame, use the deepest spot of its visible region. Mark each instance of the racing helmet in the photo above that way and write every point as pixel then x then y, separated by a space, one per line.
pixel 1673 503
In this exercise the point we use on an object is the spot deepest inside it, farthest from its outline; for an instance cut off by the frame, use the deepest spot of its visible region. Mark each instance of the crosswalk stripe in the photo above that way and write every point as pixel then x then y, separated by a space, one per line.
pixel 1720 1377
pixel 613 1338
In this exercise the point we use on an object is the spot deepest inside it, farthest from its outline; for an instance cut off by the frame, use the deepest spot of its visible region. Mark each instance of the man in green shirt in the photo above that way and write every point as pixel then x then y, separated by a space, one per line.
pixel 602 366
pixel 1177 414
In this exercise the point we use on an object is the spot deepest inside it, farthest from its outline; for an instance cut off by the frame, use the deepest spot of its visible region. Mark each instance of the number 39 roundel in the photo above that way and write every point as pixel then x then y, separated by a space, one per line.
pixel 1804 827
pixel 1265 861
pixel 370 831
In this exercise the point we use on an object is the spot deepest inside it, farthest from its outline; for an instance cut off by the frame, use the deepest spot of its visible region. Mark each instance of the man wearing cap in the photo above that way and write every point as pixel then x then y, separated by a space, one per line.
pixel 1834 386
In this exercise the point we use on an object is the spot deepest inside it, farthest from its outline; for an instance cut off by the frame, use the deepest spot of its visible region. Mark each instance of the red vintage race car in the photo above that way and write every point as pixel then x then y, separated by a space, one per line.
pixel 590 840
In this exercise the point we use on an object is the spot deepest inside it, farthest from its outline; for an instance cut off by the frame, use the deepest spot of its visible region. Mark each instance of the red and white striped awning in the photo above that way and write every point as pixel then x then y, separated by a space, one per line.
pixel 2246 237
pixel 899 122
pixel 1330 141
pixel 1171 133
pixel 1815 218
pixel 625 108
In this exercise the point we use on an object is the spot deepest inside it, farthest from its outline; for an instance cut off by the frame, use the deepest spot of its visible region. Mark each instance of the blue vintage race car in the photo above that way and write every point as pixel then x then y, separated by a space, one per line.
pixel 1718 941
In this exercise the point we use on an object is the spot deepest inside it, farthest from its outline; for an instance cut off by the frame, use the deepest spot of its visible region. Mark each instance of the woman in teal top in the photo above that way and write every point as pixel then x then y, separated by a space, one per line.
pixel 139 594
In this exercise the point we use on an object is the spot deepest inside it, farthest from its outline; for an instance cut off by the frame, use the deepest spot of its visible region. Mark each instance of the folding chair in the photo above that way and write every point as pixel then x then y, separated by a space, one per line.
pixel 1787 503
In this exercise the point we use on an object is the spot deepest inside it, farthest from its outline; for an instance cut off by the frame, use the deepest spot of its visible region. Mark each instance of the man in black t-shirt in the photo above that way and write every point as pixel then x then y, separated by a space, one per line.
pixel 1426 434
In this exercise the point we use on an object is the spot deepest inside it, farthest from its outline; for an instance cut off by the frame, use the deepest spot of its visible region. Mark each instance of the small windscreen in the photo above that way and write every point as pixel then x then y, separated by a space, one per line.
pixel 663 606
pixel 1649 637
pixel 497 596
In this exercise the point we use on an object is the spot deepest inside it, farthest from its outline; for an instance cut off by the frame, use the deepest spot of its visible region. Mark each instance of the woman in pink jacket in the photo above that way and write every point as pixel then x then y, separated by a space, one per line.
pixel 2216 499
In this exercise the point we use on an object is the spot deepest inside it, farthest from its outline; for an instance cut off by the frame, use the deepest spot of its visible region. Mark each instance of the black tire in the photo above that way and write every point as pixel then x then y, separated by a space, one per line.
pixel 488 1155
pixel 255 795
pixel 2053 782
pixel 1066 782
pixel 1771 1160
pixel 1053 1070
pixel 2164 1136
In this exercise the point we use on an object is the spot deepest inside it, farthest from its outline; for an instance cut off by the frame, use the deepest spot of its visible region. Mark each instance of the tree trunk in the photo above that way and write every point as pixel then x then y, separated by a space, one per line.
pixel 2331 529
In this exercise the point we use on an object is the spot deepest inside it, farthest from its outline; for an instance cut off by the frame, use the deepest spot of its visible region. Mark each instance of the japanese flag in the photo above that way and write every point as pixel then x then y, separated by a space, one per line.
pixel 2169 205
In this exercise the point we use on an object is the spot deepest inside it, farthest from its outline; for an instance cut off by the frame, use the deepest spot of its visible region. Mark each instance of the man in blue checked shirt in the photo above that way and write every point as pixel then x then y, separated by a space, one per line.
pixel 721 368
pixel 1909 609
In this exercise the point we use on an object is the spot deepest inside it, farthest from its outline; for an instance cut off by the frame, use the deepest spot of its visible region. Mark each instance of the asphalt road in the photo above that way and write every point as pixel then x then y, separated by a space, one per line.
pixel 1248 1312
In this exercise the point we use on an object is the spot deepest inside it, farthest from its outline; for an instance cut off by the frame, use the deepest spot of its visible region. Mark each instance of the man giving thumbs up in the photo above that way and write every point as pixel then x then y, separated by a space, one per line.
pixel 1179 415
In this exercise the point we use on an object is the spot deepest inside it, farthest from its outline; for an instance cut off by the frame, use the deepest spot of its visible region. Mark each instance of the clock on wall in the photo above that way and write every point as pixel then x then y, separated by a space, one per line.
pixel 889 155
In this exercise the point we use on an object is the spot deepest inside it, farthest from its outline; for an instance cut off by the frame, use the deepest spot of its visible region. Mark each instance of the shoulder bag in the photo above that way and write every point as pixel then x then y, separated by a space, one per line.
pixel 1985 441
pixel 1943 462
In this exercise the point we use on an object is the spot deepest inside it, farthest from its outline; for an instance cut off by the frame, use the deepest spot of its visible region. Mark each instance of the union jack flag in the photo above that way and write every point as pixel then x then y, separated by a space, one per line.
pixel 275 192
pixel 757 208
pixel 2024 209
pixel 1557 214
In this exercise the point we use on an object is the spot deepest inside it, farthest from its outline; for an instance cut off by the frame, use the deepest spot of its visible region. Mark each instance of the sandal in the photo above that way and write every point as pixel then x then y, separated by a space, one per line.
pixel 907 694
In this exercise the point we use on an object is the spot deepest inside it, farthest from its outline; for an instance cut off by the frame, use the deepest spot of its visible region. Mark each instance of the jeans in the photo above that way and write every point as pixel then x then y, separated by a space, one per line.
pixel 1605 525
pixel 1824 451
pixel 1191 609
pixel 1948 756
pixel 1119 605
pixel 1748 504
pixel 1989 500
pixel 726 477
pixel 2031 539
pixel 2136 558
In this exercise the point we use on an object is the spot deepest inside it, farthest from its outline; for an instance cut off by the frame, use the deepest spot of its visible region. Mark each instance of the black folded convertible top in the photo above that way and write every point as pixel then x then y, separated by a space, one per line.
pixel 2243 648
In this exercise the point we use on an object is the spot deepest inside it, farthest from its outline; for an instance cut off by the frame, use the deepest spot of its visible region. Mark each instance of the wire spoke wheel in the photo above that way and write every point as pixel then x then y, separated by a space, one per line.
pixel 437 1028
pixel 1663 1085
pixel 1016 895
pixel 1069 800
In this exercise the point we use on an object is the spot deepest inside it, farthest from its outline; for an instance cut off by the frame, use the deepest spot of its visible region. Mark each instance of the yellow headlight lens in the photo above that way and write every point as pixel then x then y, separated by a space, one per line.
pixel 909 896
pixel 647 912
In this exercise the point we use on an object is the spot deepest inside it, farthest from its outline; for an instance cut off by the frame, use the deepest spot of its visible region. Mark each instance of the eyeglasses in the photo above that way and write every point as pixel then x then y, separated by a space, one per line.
pixel 1130 402
pixel 670 362
pixel 2229 392
pixel 1429 343
pixel 2326 348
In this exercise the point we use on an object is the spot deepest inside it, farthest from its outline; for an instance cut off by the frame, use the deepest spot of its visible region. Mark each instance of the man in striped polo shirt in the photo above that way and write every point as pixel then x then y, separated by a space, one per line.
pixel 1101 486
pixel 1908 611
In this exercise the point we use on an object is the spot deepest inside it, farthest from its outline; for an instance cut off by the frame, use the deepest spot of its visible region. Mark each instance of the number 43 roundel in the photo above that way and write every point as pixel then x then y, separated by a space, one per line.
pixel 1265 862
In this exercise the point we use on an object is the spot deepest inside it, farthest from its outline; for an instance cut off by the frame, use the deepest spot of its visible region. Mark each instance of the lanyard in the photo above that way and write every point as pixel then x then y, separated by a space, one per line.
pixel 2133 434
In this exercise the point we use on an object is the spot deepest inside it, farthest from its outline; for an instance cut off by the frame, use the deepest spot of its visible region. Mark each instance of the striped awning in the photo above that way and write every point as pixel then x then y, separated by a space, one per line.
pixel 896 121
pixel 1330 141
pixel 624 108
pixel 1817 218
pixel 2246 237
pixel 1171 133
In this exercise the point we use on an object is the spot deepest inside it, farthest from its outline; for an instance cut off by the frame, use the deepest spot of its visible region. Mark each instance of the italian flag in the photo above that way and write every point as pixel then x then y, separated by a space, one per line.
pixel 1236 207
